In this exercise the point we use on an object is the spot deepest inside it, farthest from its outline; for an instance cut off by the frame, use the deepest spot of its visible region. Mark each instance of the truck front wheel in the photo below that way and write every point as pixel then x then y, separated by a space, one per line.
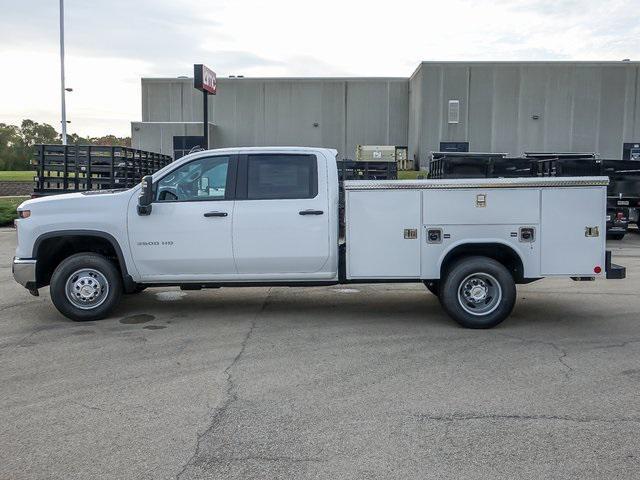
pixel 478 292
pixel 85 286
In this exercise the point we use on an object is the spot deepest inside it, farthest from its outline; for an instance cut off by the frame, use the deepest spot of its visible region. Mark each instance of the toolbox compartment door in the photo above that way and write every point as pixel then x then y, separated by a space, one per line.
pixel 383 234
pixel 477 206
pixel 567 247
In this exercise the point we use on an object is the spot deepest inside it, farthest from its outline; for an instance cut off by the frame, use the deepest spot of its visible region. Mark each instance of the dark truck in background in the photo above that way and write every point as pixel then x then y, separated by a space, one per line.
pixel 623 192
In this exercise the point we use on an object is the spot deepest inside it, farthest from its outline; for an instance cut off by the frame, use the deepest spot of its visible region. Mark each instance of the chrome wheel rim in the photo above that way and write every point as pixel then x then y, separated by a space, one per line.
pixel 479 294
pixel 87 288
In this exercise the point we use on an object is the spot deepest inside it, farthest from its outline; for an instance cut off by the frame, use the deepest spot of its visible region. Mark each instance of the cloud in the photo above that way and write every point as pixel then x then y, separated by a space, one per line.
pixel 233 61
pixel 110 44
pixel 578 29
pixel 158 32
pixel 309 66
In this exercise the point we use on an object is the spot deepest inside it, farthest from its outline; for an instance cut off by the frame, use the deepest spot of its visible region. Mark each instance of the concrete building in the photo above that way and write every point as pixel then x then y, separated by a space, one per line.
pixel 508 107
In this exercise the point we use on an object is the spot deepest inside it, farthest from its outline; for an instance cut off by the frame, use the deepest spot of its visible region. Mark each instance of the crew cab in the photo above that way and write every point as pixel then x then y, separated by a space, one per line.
pixel 269 216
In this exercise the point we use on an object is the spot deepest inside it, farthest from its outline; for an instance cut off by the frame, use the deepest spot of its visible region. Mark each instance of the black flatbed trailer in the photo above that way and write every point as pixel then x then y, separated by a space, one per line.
pixel 78 168
pixel 477 165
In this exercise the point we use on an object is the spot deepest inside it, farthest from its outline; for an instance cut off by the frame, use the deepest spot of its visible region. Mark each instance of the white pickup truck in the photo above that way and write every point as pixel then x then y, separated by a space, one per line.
pixel 270 216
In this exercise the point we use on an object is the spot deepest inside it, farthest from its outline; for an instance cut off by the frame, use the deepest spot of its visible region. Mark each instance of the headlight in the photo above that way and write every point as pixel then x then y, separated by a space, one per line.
pixel 24 213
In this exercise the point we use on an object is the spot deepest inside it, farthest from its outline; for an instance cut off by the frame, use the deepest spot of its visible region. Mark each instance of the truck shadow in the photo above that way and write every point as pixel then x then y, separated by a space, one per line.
pixel 373 306
pixel 363 306
pixel 290 305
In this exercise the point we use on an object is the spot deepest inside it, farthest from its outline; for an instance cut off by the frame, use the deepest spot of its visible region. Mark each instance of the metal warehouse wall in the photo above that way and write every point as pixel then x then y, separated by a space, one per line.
pixel 582 107
pixel 158 136
pixel 254 112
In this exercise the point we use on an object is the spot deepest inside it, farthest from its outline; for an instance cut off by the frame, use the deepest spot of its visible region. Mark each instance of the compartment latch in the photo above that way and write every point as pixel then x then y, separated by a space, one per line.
pixel 410 233
pixel 591 232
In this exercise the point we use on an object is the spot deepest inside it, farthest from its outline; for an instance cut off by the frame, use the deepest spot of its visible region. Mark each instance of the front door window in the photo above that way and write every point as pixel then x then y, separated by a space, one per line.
pixel 202 179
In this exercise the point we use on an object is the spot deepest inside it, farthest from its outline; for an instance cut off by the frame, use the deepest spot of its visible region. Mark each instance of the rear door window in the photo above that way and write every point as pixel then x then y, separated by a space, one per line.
pixel 281 176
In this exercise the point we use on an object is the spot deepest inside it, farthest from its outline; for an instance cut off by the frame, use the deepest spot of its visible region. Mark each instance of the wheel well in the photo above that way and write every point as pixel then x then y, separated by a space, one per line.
pixel 52 250
pixel 498 251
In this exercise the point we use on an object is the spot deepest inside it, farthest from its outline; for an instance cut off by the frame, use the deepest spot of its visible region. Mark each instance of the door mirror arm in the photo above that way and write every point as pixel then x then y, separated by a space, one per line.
pixel 145 199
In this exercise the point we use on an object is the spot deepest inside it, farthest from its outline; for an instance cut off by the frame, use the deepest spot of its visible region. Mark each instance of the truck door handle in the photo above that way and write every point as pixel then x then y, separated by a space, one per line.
pixel 215 214
pixel 311 212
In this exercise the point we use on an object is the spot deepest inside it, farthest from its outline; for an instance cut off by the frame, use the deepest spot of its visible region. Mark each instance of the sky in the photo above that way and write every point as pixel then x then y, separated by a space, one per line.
pixel 111 44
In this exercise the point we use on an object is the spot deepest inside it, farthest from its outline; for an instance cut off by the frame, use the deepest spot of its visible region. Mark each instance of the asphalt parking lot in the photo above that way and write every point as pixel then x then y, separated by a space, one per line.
pixel 363 382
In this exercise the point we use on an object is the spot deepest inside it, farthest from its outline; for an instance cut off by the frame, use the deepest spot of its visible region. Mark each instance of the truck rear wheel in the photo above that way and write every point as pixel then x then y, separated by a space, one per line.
pixel 85 286
pixel 478 292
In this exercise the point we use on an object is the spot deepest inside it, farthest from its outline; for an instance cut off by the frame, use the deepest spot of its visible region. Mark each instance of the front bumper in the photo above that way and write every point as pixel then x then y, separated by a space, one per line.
pixel 24 272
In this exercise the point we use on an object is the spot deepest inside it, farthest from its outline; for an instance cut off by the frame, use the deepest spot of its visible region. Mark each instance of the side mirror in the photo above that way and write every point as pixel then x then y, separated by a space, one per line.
pixel 146 196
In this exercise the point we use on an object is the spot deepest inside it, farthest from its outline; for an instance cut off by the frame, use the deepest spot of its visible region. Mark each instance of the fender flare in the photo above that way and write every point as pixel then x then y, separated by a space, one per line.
pixel 485 241
pixel 126 278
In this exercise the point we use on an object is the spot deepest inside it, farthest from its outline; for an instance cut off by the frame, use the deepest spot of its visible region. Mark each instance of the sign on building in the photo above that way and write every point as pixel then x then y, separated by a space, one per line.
pixel 204 79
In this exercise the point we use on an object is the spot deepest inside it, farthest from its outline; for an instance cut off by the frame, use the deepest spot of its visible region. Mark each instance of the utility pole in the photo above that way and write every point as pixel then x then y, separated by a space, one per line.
pixel 62 88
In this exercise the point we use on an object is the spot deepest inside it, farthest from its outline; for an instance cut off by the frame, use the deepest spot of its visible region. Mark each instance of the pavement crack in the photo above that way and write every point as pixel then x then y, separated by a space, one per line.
pixel 231 394
pixel 267 458
pixel 567 369
pixel 461 417
pixel 89 407
pixel 618 345
pixel 19 304
pixel 23 341
pixel 561 359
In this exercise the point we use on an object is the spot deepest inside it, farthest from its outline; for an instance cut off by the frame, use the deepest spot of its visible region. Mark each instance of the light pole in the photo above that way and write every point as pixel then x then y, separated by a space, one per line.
pixel 62 89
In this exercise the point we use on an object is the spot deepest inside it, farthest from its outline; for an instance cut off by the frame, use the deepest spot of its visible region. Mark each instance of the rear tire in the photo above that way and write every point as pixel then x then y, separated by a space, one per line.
pixel 478 292
pixel 86 286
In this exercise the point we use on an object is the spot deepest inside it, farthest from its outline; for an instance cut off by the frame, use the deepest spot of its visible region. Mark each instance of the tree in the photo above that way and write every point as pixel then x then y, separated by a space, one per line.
pixel 9 142
pixel 75 139
pixel 29 134
pixel 33 133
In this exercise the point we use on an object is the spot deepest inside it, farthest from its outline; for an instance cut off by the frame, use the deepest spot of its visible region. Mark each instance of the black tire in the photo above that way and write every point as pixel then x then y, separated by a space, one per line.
pixel 491 279
pixel 615 236
pixel 433 286
pixel 91 262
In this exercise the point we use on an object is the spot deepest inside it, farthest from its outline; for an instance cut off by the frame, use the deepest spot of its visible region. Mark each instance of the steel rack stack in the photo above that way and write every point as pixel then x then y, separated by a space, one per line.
pixel 78 168
pixel 478 165
pixel 367 170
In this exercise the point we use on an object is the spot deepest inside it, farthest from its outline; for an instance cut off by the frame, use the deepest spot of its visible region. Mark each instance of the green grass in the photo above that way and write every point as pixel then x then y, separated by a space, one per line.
pixel 411 175
pixel 16 176
pixel 8 209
